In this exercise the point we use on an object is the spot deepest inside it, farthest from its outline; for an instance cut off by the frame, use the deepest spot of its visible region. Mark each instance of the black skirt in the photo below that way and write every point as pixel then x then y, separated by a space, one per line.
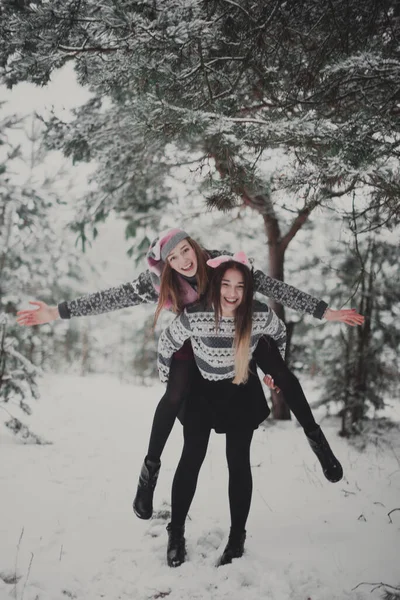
pixel 225 406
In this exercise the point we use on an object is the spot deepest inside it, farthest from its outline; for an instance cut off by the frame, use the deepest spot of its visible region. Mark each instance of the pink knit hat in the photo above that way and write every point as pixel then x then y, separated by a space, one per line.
pixel 161 247
pixel 156 257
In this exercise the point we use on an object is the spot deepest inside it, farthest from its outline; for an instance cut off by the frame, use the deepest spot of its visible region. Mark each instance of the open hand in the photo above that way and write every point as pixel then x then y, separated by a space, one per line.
pixel 37 316
pixel 349 316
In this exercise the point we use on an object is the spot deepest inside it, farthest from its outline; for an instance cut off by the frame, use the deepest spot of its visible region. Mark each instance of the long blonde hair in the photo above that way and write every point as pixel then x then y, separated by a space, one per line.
pixel 243 315
pixel 170 288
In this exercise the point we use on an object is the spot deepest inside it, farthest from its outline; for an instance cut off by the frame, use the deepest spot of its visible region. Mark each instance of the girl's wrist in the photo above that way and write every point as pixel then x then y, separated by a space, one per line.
pixel 55 313
pixel 327 313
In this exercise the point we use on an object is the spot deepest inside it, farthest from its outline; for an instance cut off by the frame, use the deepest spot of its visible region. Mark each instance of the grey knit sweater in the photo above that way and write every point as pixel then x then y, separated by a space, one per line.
pixel 213 350
pixel 141 291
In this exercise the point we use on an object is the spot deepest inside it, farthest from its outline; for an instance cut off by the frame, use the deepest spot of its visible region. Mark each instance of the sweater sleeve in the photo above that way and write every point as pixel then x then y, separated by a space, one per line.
pixel 288 295
pixel 172 339
pixel 276 329
pixel 139 291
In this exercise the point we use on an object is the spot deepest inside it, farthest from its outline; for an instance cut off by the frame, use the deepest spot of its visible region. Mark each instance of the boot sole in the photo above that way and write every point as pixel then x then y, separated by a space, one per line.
pixel 339 475
pixel 141 516
pixel 334 480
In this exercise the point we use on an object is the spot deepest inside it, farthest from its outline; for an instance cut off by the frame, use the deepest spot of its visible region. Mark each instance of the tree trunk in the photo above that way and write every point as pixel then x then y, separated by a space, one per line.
pixel 346 412
pixel 280 409
pixel 354 409
pixel 7 228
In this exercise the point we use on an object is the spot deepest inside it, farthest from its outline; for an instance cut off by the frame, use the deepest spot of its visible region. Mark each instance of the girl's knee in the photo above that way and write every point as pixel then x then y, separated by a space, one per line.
pixel 194 455
pixel 286 380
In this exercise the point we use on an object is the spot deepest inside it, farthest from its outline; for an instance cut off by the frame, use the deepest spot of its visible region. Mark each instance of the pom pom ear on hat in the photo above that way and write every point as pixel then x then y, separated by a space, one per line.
pixel 242 258
pixel 237 257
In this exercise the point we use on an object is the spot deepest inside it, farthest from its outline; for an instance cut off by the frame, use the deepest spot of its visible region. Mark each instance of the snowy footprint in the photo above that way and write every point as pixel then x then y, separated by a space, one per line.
pixel 210 544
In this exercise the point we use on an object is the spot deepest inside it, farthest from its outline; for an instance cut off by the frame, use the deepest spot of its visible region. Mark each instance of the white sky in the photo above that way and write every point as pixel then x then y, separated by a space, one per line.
pixel 62 93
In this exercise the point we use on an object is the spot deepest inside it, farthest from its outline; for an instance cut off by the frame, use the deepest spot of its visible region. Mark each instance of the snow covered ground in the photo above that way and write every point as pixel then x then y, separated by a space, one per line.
pixel 67 530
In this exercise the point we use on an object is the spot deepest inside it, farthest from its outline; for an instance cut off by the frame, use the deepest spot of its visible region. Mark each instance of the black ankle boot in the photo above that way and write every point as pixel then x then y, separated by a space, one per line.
pixel 176 550
pixel 234 547
pixel 331 467
pixel 143 502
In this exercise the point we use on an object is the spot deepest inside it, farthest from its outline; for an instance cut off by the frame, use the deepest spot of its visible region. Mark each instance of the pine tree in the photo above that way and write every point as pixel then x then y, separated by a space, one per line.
pixel 32 258
pixel 18 384
pixel 362 365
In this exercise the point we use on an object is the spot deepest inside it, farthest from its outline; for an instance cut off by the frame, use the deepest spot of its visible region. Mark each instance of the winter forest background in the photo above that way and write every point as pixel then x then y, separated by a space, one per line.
pixel 253 124
pixel 267 126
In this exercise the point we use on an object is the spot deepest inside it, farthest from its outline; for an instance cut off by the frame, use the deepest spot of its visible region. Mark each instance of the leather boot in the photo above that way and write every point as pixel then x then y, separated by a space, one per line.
pixel 143 502
pixel 234 547
pixel 331 467
pixel 176 550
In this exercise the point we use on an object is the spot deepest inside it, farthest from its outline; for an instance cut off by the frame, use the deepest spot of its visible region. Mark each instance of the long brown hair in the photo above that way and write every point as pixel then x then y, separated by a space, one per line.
pixel 243 314
pixel 170 288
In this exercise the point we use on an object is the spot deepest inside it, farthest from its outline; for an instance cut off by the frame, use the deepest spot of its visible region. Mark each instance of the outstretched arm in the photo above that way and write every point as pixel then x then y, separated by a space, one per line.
pixel 301 301
pixel 288 295
pixel 139 291
pixel 283 293
pixel 172 339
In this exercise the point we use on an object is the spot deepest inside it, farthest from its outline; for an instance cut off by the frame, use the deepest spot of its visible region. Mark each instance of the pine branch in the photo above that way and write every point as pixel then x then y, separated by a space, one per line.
pixel 75 51
pixel 339 193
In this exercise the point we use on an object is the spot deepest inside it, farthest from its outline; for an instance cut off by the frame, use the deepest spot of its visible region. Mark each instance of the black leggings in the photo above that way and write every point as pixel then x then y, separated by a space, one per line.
pixel 181 374
pixel 269 360
pixel 196 438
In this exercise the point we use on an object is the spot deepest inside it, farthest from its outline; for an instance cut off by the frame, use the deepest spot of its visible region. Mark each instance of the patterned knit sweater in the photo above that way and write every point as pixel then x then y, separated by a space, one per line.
pixel 213 349
pixel 141 291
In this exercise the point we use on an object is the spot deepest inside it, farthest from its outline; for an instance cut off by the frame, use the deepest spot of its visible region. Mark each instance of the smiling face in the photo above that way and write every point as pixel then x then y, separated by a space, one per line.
pixel 232 287
pixel 183 259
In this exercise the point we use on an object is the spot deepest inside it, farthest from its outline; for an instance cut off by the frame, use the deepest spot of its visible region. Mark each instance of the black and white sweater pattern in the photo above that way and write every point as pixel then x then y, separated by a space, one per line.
pixel 141 291
pixel 213 349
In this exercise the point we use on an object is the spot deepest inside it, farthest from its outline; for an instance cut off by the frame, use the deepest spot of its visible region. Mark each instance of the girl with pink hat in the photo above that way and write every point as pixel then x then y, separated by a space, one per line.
pixel 177 276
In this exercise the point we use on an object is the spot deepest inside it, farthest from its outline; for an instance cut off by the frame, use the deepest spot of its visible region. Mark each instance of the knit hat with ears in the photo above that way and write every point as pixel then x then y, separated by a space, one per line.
pixel 157 255
pixel 161 247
